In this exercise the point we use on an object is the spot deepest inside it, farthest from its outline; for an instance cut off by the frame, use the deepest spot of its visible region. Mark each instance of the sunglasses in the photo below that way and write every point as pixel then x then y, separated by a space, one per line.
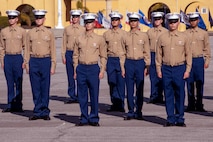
pixel 12 17
pixel 173 21
pixel 115 19
pixel 39 17
pixel 156 19
pixel 88 21
pixel 133 20
pixel 75 16
pixel 193 19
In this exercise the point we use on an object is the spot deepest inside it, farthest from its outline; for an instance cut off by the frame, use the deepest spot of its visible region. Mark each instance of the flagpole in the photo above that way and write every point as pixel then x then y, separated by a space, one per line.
pixel 59 26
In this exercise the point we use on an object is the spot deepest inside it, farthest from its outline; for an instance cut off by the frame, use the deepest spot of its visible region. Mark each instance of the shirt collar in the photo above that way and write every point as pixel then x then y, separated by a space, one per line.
pixel 76 26
pixel 13 28
pixel 174 33
pixel 134 32
pixel 194 29
pixel 89 35
pixel 115 31
pixel 41 28
pixel 156 29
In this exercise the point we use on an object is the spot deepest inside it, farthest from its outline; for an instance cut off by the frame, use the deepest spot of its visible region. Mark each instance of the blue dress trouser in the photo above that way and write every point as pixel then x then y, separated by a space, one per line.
pixel 197 77
pixel 39 71
pixel 14 76
pixel 174 85
pixel 88 80
pixel 156 82
pixel 70 74
pixel 116 82
pixel 134 74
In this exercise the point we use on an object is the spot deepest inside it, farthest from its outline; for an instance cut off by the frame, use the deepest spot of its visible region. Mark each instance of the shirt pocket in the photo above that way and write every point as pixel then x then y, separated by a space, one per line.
pixel 140 42
pixel 18 37
pixel 179 45
pixel 46 38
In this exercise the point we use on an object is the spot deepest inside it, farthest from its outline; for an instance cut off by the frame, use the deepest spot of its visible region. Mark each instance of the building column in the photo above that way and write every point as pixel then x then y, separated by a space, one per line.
pixel 59 26
pixel 108 8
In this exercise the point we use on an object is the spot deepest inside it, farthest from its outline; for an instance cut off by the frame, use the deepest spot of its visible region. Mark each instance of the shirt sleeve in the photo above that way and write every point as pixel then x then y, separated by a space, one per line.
pixel 103 54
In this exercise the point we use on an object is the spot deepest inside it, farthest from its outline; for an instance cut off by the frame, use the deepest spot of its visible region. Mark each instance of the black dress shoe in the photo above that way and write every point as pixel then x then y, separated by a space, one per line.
pixel 94 124
pixel 181 124
pixel 189 109
pixel 167 124
pixel 139 118
pixel 81 124
pixel 201 110
pixel 111 109
pixel 18 110
pixel 46 117
pixel 70 101
pixel 7 110
pixel 34 117
pixel 128 118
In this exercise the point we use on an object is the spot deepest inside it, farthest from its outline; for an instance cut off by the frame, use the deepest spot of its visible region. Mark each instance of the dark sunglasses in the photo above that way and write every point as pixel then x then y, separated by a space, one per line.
pixel 12 17
pixel 159 18
pixel 133 20
pixel 115 19
pixel 88 21
pixel 39 17
pixel 173 21
pixel 75 16
pixel 193 19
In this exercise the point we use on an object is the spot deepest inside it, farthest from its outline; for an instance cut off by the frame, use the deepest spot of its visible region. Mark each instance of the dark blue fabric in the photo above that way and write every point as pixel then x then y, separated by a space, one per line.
pixel 196 79
pixel 134 75
pixel 14 77
pixel 174 92
pixel 70 74
pixel 156 82
pixel 116 82
pixel 88 79
pixel 39 70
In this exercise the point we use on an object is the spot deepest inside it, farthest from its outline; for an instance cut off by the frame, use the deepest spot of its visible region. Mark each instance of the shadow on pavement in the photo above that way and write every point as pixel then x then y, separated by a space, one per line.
pixel 154 119
pixel 207 113
pixel 26 113
pixel 68 118
pixel 3 106
pixel 208 97
pixel 103 109
pixel 58 98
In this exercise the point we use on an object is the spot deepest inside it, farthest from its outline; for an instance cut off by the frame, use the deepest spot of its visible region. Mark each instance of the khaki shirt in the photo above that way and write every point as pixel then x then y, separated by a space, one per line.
pixel 153 35
pixel 41 43
pixel 173 49
pixel 71 32
pixel 88 48
pixel 137 46
pixel 115 44
pixel 12 41
pixel 199 42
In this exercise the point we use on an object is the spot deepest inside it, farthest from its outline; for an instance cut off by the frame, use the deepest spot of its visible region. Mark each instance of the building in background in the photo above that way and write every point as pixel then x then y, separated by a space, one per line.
pixel 58 10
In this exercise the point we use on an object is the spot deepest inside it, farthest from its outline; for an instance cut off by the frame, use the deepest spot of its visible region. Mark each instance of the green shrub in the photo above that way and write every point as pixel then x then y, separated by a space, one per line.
pixel 3 22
